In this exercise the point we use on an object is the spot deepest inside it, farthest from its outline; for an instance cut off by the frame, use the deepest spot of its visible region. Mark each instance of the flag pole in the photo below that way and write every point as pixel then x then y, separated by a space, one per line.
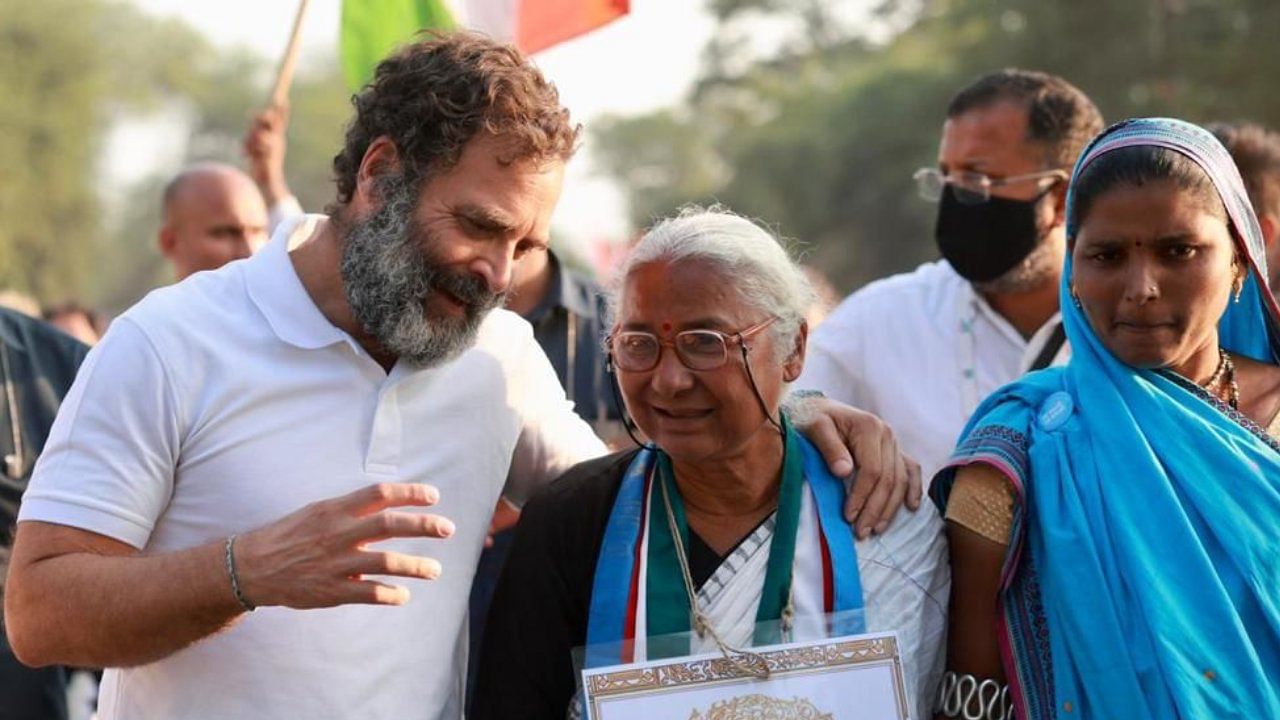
pixel 284 77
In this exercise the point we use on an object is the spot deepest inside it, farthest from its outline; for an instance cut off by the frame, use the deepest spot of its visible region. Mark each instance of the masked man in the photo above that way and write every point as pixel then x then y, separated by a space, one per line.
pixel 922 349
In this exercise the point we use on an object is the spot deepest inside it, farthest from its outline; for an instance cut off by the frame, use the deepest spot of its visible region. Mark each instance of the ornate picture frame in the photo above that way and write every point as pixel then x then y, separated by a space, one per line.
pixel 843 678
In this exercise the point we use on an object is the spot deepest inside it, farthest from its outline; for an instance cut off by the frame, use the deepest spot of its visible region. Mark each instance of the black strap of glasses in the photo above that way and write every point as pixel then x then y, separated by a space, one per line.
pixel 754 388
pixel 627 423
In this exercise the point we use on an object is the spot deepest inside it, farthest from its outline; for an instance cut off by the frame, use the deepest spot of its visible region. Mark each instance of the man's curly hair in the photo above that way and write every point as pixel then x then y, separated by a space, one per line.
pixel 434 95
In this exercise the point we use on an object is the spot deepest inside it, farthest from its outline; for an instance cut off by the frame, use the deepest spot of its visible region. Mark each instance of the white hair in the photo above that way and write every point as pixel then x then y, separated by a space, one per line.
pixel 741 254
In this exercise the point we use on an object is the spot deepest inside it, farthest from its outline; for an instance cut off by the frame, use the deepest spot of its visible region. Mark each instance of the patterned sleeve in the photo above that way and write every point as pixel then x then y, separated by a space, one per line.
pixel 998 437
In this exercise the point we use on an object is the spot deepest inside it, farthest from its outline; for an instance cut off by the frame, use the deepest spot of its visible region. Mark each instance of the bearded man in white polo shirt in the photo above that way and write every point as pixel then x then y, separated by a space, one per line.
pixel 241 439
pixel 922 349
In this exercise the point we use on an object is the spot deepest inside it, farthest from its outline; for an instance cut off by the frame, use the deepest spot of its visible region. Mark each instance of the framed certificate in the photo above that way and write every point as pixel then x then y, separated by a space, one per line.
pixel 855 677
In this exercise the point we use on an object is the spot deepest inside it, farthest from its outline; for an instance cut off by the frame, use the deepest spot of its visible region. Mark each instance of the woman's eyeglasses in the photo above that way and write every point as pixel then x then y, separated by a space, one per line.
pixel 638 351
pixel 972 188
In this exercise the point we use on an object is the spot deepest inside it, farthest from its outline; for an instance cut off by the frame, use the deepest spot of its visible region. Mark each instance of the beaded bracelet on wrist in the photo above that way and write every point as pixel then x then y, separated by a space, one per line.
pixel 231 571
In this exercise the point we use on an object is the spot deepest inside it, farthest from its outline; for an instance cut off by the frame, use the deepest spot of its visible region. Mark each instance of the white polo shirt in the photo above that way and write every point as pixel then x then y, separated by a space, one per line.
pixel 920 350
pixel 228 401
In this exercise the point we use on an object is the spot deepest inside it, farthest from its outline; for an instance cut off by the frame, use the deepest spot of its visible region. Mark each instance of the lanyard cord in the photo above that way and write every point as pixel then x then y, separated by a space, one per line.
pixel 747 662
pixel 570 353
pixel 13 462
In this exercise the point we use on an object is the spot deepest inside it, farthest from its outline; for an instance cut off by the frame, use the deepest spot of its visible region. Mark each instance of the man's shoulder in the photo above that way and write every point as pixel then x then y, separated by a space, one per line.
pixel 582 295
pixel 215 297
pixel 506 336
pixel 501 325
pixel 922 292
pixel 53 353
pixel 916 288
pixel 25 329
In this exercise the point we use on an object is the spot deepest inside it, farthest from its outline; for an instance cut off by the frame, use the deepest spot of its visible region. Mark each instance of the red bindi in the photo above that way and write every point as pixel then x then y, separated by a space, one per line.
pixel 666 327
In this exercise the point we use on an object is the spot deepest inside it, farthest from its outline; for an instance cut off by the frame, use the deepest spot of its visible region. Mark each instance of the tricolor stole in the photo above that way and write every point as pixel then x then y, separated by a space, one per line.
pixel 638 525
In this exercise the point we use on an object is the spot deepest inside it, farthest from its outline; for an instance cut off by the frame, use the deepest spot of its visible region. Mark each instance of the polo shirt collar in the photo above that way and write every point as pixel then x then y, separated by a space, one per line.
pixel 278 293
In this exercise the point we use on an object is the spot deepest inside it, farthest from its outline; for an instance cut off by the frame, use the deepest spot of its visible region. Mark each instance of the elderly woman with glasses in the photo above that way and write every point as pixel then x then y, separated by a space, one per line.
pixel 725 529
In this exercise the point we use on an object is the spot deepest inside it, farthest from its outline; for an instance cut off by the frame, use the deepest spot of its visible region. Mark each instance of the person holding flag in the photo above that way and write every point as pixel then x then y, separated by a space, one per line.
pixel 235 492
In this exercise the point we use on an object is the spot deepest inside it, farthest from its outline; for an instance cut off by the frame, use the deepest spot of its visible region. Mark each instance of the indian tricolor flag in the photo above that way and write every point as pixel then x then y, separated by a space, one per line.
pixel 371 29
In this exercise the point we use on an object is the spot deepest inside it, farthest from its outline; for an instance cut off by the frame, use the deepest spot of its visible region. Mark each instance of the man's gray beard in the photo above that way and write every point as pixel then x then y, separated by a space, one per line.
pixel 1033 273
pixel 388 274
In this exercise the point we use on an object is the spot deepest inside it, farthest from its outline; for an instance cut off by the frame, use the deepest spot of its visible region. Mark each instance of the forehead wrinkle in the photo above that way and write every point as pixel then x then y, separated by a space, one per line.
pixel 702 323
pixel 711 279
pixel 1132 235
pixel 504 219
pixel 983 143
pixel 487 215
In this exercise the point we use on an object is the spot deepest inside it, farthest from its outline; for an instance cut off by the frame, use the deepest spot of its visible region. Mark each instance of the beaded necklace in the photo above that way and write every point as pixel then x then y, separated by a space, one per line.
pixel 1222 384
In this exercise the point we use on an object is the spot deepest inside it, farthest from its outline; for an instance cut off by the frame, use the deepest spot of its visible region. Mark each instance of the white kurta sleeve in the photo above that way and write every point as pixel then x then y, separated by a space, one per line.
pixel 834 361
pixel 553 438
pixel 108 465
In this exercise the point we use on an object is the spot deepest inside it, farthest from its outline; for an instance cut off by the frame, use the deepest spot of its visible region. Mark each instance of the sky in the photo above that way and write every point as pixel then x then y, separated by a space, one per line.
pixel 641 62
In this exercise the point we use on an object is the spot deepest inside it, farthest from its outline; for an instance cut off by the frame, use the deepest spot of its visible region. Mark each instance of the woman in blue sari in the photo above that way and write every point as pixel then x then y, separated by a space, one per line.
pixel 1115 524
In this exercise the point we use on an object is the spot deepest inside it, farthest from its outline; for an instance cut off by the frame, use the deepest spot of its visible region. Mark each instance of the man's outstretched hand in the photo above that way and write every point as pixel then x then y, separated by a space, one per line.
pixel 316 557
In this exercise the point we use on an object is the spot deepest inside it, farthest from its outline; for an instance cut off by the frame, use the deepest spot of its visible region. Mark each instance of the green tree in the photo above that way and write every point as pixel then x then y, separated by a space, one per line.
pixel 222 104
pixel 70 70
pixel 52 86
pixel 820 137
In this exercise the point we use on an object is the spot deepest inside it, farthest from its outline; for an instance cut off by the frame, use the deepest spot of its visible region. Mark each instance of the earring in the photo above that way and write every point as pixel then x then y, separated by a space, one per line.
pixel 1074 297
pixel 1238 286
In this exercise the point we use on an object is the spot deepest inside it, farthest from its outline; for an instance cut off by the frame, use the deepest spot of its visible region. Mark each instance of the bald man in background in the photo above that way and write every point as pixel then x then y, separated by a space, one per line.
pixel 213 214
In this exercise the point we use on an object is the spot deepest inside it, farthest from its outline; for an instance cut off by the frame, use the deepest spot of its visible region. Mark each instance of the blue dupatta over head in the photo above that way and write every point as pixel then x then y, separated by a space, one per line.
pixel 1143 578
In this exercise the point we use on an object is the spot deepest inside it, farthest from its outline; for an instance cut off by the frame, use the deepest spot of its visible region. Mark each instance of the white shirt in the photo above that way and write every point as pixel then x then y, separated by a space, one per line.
pixel 920 350
pixel 906 584
pixel 285 209
pixel 228 401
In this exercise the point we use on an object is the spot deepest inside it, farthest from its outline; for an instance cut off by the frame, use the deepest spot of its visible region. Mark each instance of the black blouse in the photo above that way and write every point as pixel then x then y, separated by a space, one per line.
pixel 539 610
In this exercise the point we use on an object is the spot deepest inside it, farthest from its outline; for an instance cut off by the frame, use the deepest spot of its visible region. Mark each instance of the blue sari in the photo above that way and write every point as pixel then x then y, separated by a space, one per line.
pixel 1142 579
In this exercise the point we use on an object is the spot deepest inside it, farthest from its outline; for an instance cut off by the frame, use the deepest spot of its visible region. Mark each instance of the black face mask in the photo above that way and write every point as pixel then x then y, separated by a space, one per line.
pixel 984 241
